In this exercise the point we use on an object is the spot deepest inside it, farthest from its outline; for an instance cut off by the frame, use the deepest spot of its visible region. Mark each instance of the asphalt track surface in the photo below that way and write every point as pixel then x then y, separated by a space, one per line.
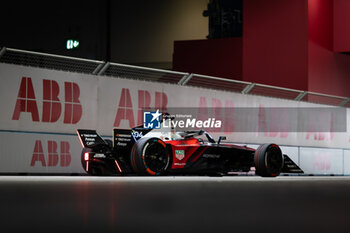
pixel 174 204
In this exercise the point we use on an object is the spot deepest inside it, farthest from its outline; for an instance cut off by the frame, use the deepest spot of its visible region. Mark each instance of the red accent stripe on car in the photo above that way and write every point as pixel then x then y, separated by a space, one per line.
pixel 198 153
pixel 116 163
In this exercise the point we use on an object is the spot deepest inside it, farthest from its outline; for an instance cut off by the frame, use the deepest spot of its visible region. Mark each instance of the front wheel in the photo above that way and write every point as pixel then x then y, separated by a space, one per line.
pixel 149 156
pixel 268 160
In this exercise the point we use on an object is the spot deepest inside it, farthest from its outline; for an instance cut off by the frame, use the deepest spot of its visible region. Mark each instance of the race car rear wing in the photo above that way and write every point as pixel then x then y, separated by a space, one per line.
pixel 90 138
pixel 124 139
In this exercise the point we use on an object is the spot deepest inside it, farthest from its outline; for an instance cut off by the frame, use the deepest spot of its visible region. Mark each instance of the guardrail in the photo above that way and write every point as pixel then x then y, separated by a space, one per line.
pixel 73 64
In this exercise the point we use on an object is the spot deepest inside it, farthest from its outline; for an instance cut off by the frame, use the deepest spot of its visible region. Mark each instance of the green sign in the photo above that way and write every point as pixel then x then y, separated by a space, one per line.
pixel 72 44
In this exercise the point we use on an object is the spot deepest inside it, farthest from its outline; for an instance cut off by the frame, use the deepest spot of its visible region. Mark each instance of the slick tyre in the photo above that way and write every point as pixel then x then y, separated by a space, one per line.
pixel 149 156
pixel 268 160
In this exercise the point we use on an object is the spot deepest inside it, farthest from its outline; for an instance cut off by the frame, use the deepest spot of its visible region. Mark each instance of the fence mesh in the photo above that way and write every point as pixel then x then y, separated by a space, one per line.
pixel 49 62
pixel 320 99
pixel 347 104
pixel 216 83
pixel 274 92
pixel 56 62
pixel 141 73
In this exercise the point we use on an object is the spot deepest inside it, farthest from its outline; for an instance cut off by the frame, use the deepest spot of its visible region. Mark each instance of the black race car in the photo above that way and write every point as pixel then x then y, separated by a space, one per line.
pixel 154 152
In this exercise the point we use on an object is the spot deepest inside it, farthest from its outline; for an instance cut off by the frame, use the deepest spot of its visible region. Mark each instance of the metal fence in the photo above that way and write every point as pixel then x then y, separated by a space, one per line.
pixel 49 61
pixel 141 73
pixel 57 62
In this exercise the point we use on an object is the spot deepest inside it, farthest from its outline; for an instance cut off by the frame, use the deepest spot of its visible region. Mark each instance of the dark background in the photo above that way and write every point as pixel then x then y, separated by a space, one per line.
pixel 134 31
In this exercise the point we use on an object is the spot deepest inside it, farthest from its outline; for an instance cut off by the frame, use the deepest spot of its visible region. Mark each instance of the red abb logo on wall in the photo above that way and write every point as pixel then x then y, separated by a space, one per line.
pixel 52 107
pixel 53 157
pixel 322 162
pixel 126 111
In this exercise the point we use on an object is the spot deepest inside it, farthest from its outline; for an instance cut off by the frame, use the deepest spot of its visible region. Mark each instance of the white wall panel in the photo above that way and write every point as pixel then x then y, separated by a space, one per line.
pixel 30 153
pixel 321 161
pixel 101 97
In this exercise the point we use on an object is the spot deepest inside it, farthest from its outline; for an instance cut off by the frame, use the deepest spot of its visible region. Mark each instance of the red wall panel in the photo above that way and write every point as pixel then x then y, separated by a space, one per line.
pixel 216 57
pixel 341 26
pixel 320 23
pixel 328 71
pixel 285 43
pixel 320 61
pixel 275 42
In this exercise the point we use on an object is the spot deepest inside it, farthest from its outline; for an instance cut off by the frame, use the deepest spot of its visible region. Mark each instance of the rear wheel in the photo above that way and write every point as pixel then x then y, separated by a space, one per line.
pixel 268 160
pixel 149 156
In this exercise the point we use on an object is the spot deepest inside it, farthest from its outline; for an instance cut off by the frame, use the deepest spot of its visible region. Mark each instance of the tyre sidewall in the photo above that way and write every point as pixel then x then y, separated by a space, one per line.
pixel 137 157
pixel 260 161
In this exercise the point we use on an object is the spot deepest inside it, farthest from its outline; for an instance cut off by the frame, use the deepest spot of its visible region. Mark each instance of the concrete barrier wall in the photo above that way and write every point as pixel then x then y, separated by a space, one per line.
pixel 23 152
pixel 41 110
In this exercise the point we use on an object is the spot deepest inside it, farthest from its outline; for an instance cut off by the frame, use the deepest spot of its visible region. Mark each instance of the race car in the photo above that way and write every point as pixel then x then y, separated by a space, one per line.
pixel 143 151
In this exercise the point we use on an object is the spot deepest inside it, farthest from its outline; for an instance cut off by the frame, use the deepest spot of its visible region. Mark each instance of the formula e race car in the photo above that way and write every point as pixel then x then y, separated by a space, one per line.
pixel 143 151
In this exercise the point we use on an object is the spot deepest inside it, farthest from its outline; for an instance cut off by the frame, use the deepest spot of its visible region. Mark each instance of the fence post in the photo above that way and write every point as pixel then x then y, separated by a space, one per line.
pixel 185 79
pixel 104 68
pixel 2 51
pixel 248 88
pixel 344 102
pixel 301 96
pixel 98 68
